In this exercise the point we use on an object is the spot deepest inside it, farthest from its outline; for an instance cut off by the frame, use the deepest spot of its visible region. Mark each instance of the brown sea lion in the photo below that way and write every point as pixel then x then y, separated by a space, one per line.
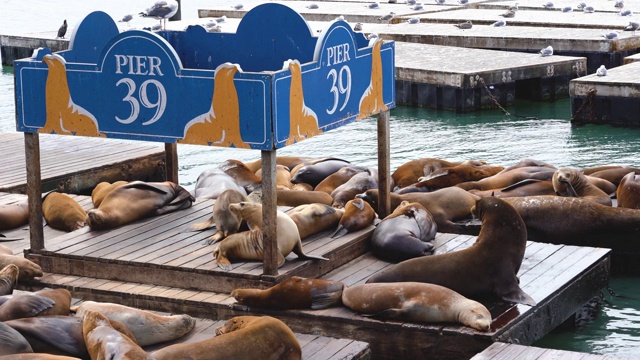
pixel 61 298
pixel 573 183
pixel 628 193
pixel 409 172
pixel 358 183
pixel 358 214
pixel 293 293
pixel 595 169
pixel 522 188
pixel 315 171
pixel 488 268
pixel 527 163
pixel 12 342
pixel 605 185
pixel 148 328
pixel 211 183
pixel 5 250
pixel 404 234
pixel 28 269
pixel 451 176
pixel 241 338
pixel 8 279
pixel 447 206
pixel 102 189
pixel 301 187
pixel 138 200
pixel 612 174
pixel 338 178
pixel 62 212
pixel 283 177
pixel 297 198
pixel 415 301
pixel 14 215
pixel 314 218
pixel 241 174
pixel 24 305
pixel 288 161
pixel 105 342
pixel 37 356
pixel 226 222
pixel 510 177
pixel 247 245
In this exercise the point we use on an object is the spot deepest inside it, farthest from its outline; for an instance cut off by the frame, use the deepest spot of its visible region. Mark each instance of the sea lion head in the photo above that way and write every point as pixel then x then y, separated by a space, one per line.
pixel 29 270
pixel 247 296
pixel 474 314
pixel 92 319
pixel 96 219
pixel 235 323
pixel 370 196
pixel 565 180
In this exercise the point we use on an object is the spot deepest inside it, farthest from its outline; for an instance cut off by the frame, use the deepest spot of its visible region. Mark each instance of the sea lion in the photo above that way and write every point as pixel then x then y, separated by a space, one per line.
pixel 404 234
pixel 5 250
pixel 24 305
pixel 314 172
pixel 61 335
pixel 288 161
pixel 14 215
pixel 414 301
pixel 358 183
pixel 226 222
pixel 241 174
pixel 241 338
pixel 297 198
pixel 488 268
pixel 105 342
pixel 28 269
pixel 62 212
pixel 409 172
pixel 301 187
pixel 572 182
pixel 358 214
pixel 61 301
pixel 12 342
pixel 138 200
pixel 102 189
pixel 628 193
pixel 528 187
pixel 8 279
pixel 314 218
pixel 293 293
pixel 446 205
pixel 147 327
pixel 527 163
pixel 283 177
pixel 211 183
pixel 510 177
pixel 37 356
pixel 247 245
pixel 451 176
pixel 612 174
pixel 338 178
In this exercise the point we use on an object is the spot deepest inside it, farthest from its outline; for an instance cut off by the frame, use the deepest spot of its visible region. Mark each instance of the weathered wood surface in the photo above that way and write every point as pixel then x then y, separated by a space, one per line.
pixel 503 351
pixel 453 66
pixel 560 278
pixel 74 164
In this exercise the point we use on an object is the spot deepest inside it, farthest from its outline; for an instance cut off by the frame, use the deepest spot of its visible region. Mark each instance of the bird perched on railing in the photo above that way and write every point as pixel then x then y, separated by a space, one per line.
pixel 567 9
pixel 62 30
pixel 387 17
pixel 161 10
pixel 589 9
pixel 548 5
pixel 619 4
pixel 499 23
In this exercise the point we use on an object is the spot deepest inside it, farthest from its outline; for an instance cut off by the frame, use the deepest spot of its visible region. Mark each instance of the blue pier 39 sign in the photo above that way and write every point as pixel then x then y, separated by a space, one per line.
pixel 271 84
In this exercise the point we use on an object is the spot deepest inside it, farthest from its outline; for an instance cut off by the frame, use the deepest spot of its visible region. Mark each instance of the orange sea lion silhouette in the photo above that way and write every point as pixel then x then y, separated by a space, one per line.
pixel 63 115
pixel 371 101
pixel 303 122
pixel 221 124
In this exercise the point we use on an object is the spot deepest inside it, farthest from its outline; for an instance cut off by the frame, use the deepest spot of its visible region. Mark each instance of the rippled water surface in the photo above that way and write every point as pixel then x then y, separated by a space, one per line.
pixel 415 133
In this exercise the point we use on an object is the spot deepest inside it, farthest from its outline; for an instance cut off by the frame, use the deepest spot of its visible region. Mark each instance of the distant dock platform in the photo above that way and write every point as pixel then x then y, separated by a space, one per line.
pixel 503 351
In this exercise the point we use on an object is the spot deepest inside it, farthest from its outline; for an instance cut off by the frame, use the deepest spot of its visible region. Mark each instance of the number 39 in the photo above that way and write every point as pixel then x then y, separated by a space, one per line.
pixel 340 78
pixel 159 105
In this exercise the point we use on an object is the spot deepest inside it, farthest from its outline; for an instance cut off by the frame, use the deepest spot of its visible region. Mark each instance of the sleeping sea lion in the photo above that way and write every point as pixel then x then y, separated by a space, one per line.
pixel 14 215
pixel 357 184
pixel 315 171
pixel 314 218
pixel 358 214
pixel 8 279
pixel 12 341
pixel 241 174
pixel 28 269
pixel 338 178
pixel 211 183
pixel 628 193
pixel 102 189
pixel 105 342
pixel 62 212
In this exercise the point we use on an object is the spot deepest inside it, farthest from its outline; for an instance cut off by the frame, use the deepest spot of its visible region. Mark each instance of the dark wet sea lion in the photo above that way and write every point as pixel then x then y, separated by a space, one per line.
pixel 404 234
pixel 138 200
pixel 573 183
pixel 628 193
pixel 62 212
pixel 12 342
pixel 316 171
pixel 358 214
pixel 293 293
pixel 357 184
pixel 415 301
pixel 487 268
pixel 241 338
pixel 447 206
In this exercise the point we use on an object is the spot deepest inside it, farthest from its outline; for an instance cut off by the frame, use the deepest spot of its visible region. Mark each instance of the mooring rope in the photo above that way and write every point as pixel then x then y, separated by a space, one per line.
pixel 589 99
pixel 497 103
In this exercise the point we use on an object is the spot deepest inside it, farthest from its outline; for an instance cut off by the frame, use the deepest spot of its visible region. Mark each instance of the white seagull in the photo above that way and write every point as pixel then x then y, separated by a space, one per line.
pixel 548 51
pixel 161 10
pixel 602 71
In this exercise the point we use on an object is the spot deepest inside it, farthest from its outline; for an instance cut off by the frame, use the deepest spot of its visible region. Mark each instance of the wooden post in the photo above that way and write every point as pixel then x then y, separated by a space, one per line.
pixel 384 167
pixel 34 189
pixel 171 162
pixel 269 204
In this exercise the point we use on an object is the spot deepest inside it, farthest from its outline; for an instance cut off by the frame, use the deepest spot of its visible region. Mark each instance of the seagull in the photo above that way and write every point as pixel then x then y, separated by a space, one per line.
pixel 463 2
pixel 393 1
pixel 548 51
pixel 411 2
pixel 216 28
pixel 312 6
pixel 602 71
pixel 589 9
pixel 357 27
pixel 62 30
pixel 126 19
pixel 387 17
pixel 372 36
pixel 413 20
pixel 221 19
pixel 373 5
pixel 610 35
pixel 626 12
pixel 161 10
pixel 513 7
pixel 210 24
pixel 417 7
pixel 567 9
pixel 340 18
pixel 464 25
pixel 619 4
pixel 548 5
pixel 499 23
pixel 509 14
pixel 440 2
pixel 581 6
pixel 237 6
pixel 633 26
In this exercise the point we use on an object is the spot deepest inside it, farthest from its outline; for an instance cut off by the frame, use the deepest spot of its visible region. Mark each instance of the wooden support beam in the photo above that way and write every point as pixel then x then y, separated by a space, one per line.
pixel 269 209
pixel 34 189
pixel 384 164
pixel 171 162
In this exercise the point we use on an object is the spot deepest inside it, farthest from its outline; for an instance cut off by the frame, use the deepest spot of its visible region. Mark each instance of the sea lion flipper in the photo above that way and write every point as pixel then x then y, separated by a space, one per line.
pixel 218 236
pixel 520 183
pixel 516 295
pixel 209 223
pixel 326 300
pixel 340 232
pixel 161 189
pixel 34 304
pixel 387 314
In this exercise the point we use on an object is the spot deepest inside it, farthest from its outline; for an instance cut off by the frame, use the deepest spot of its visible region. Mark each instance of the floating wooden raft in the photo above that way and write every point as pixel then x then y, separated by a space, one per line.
pixel 513 351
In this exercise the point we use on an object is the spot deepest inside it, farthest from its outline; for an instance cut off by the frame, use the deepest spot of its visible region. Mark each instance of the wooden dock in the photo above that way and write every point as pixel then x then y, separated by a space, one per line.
pixel 76 164
pixel 13 47
pixel 451 78
pixel 613 99
pixel 503 351
pixel 153 264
